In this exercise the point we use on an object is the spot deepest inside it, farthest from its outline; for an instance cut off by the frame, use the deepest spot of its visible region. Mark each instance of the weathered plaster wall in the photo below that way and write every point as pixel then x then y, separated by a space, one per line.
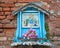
pixel 8 22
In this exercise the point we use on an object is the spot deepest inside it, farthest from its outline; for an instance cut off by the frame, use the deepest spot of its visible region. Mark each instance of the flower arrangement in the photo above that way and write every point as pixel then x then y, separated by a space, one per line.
pixel 30 34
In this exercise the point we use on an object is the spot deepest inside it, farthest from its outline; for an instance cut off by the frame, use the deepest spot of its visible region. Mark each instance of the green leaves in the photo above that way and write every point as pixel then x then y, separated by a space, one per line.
pixel 47 30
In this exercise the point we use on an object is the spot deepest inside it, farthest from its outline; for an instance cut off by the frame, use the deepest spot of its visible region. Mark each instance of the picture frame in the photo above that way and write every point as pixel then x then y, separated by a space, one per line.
pixel 30 20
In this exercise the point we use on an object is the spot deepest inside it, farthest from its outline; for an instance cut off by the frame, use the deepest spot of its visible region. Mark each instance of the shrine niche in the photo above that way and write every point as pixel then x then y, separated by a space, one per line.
pixel 31 26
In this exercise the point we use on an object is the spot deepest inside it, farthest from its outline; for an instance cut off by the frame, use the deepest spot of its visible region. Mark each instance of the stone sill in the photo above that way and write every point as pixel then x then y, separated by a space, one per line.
pixel 31 43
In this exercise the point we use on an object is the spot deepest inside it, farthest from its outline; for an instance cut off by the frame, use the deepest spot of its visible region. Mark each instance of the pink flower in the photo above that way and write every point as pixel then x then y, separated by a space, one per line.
pixel 25 35
pixel 30 30
pixel 34 31
pixel 31 34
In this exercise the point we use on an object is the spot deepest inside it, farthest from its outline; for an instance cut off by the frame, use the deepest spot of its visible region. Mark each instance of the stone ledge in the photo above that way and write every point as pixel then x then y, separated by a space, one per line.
pixel 31 43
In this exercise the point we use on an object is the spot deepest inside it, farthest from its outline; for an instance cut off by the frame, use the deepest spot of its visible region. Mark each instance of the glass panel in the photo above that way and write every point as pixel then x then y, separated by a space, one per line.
pixel 30 20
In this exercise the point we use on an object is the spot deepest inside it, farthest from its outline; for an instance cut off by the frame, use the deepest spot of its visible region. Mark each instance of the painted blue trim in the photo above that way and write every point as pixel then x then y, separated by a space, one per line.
pixel 20 24
pixel 42 20
pixel 44 31
pixel 17 30
pixel 30 11
pixel 40 25
pixel 30 8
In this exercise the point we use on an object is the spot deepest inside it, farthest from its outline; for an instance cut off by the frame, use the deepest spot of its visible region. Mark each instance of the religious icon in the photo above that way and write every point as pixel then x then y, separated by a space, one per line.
pixel 30 20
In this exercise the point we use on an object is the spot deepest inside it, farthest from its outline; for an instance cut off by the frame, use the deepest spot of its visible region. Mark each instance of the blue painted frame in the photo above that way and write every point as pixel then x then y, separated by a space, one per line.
pixel 41 31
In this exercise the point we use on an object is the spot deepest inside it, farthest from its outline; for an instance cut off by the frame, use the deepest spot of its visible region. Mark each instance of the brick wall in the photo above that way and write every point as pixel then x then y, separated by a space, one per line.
pixel 8 22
